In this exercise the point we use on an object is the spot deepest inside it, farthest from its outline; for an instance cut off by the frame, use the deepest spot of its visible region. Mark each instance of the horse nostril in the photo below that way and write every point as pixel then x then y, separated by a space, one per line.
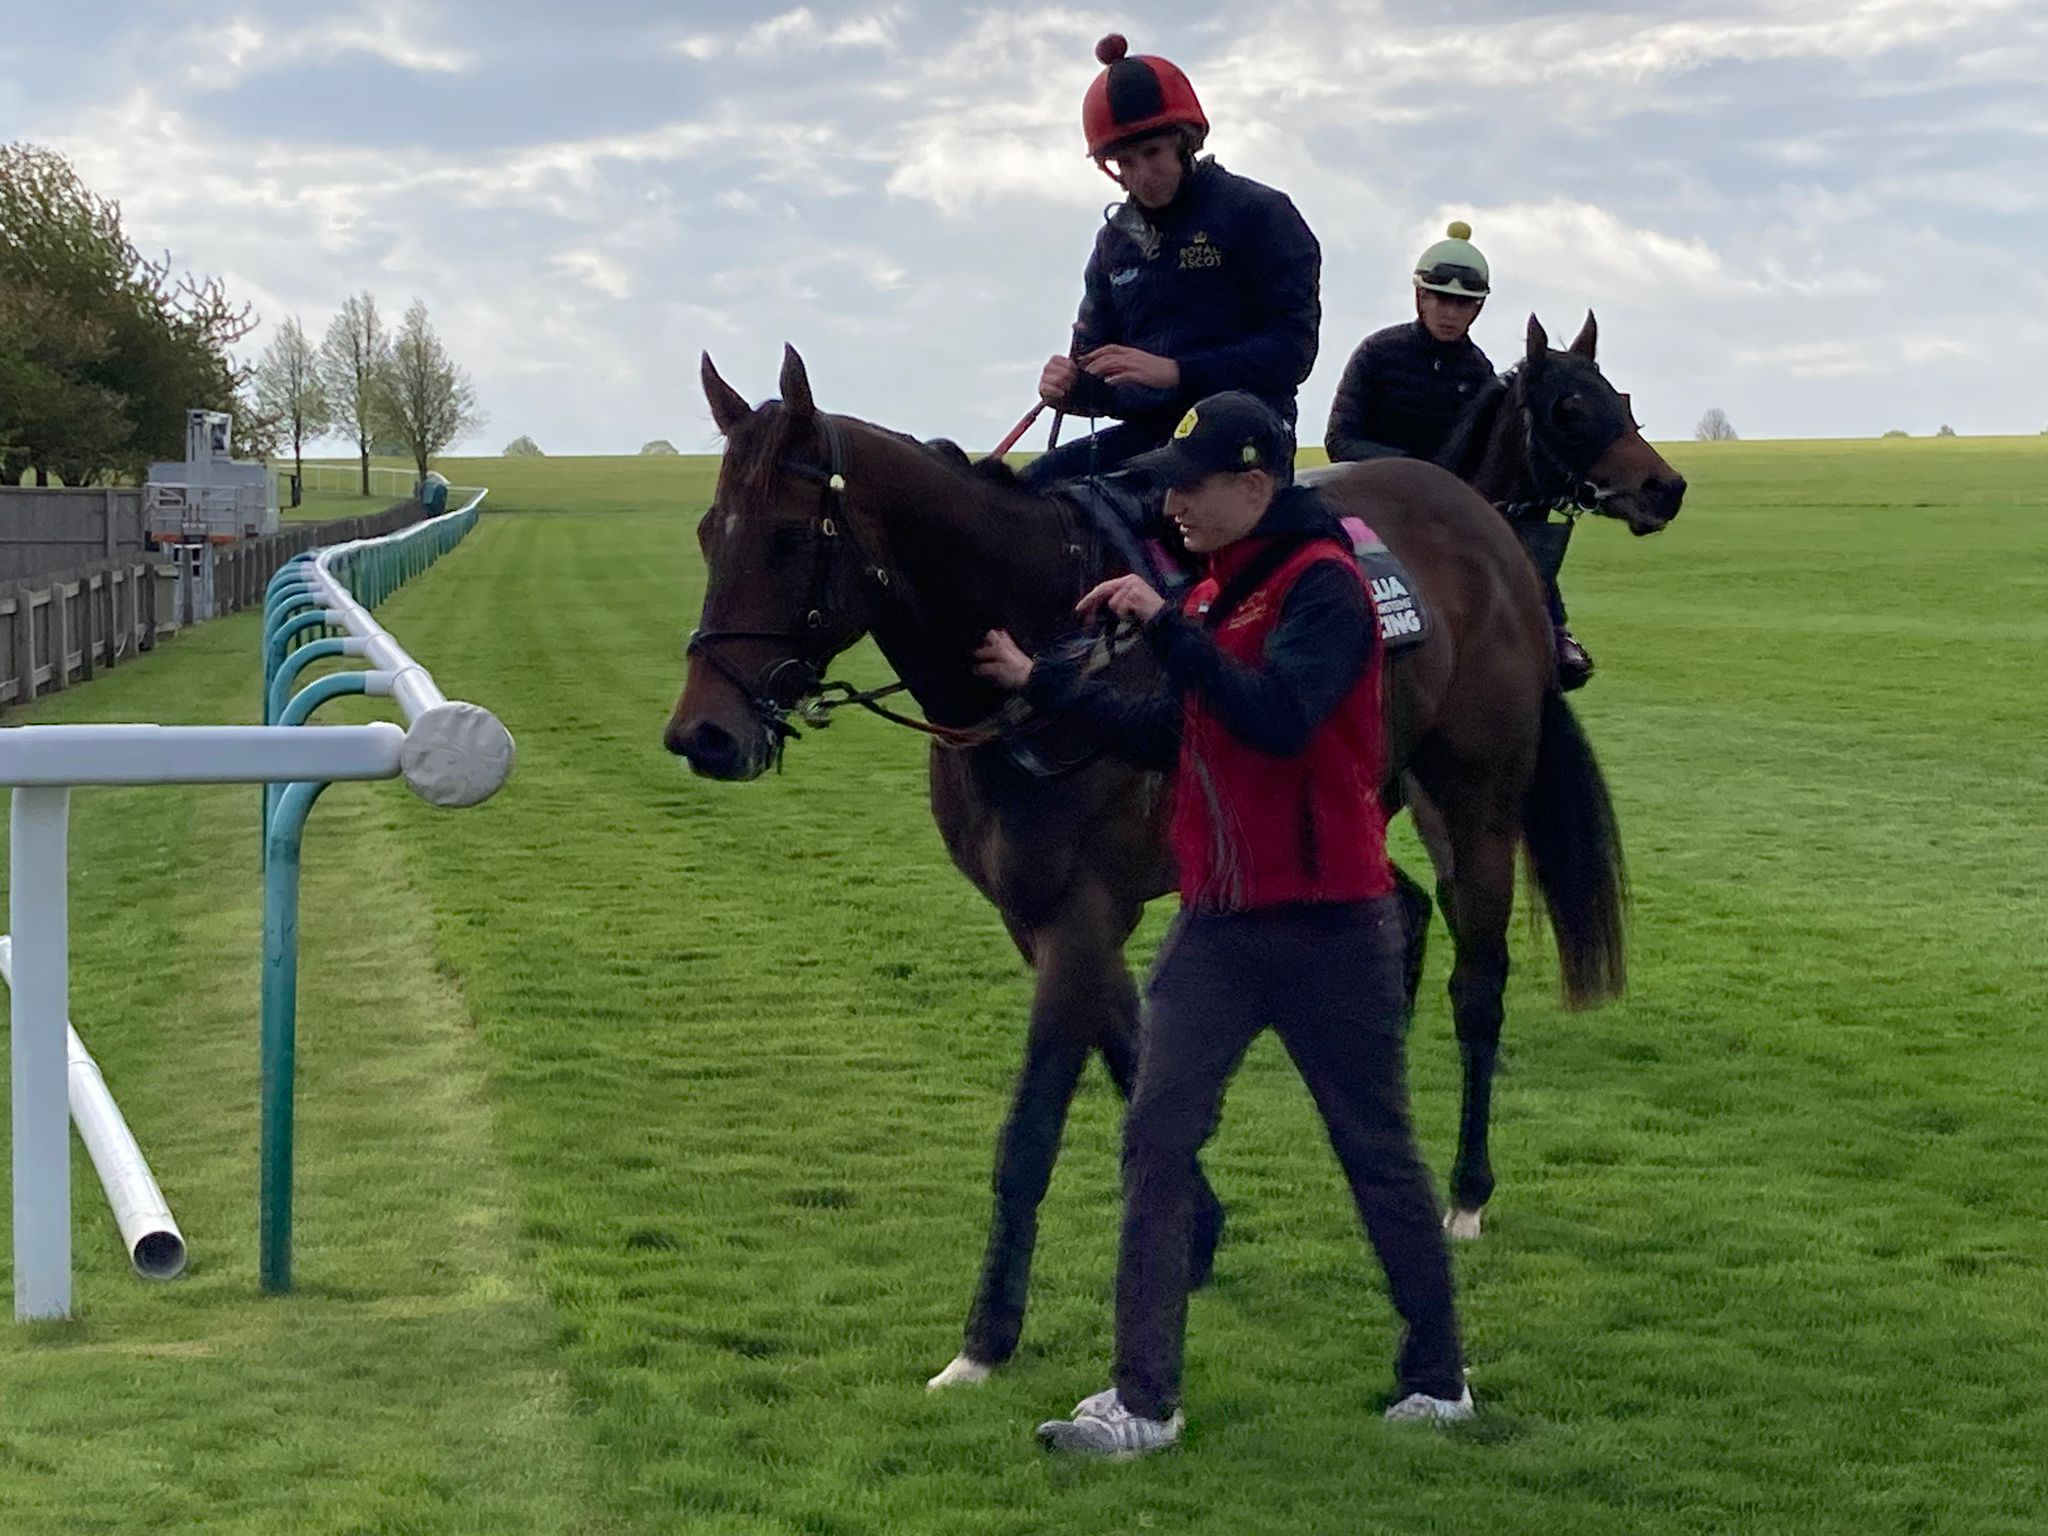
pixel 710 749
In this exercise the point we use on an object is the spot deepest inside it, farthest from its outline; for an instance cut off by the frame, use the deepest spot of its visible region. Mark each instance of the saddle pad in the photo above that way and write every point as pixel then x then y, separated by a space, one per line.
pixel 1404 622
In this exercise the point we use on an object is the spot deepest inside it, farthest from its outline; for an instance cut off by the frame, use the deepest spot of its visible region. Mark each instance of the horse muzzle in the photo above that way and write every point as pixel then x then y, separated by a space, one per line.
pixel 1651 506
pixel 713 752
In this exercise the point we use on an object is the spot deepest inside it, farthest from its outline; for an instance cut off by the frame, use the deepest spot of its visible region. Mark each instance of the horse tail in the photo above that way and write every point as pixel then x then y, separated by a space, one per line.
pixel 1575 850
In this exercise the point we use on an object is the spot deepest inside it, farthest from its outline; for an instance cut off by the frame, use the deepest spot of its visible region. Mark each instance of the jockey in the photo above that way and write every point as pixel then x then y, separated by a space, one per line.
pixel 1200 281
pixel 1406 387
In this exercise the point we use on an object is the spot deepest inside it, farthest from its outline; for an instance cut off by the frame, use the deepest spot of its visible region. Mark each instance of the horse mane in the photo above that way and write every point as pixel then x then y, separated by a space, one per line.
pixel 1474 429
pixel 997 473
pixel 757 447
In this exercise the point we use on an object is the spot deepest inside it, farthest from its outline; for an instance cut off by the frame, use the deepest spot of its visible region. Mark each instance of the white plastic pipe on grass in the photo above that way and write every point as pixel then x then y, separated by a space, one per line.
pixel 155 1245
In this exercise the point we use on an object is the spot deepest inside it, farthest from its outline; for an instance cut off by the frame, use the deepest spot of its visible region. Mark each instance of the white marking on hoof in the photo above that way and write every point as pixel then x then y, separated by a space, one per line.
pixel 1463 1226
pixel 963 1372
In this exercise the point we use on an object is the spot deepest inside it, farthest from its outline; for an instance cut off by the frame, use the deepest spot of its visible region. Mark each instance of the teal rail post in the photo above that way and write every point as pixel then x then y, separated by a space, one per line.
pixel 299 711
pixel 280 1028
pixel 294 617
pixel 289 669
pixel 296 602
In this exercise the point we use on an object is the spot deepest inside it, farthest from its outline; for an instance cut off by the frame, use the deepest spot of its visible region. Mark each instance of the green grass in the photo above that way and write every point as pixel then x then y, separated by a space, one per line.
pixel 698 1192
pixel 411 1383
pixel 321 506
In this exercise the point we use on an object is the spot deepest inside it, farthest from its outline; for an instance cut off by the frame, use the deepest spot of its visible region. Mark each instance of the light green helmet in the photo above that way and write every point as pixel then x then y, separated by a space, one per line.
pixel 1454 265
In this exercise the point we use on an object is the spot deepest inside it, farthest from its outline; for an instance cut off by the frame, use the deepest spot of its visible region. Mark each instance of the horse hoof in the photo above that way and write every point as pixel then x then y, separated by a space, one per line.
pixel 1463 1226
pixel 963 1372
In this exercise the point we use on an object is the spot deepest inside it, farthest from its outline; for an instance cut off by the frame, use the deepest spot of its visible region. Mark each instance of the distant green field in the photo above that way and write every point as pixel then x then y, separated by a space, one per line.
pixel 646 1122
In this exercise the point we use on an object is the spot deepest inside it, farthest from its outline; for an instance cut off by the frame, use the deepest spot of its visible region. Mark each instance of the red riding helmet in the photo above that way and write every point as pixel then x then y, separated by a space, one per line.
pixel 1136 96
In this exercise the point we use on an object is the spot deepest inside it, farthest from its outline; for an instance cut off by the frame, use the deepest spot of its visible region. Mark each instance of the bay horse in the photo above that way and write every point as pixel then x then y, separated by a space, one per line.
pixel 825 529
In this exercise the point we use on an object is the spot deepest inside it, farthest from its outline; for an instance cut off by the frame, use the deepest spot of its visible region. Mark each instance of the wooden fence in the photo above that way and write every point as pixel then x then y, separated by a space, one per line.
pixel 66 628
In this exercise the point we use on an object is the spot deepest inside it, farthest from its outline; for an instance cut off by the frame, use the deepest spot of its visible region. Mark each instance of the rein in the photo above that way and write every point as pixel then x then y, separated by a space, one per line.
pixel 816 697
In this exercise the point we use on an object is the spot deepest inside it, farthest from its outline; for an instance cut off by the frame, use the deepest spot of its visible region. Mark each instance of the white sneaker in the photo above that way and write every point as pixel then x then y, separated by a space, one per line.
pixel 1419 1407
pixel 1102 1426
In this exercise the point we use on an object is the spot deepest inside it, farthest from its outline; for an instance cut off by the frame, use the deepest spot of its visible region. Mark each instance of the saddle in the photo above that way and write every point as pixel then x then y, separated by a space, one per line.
pixel 1129 513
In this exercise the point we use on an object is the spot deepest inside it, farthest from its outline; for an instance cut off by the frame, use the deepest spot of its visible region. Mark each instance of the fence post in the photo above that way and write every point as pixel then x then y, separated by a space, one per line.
pixel 60 637
pixel 88 647
pixel 24 645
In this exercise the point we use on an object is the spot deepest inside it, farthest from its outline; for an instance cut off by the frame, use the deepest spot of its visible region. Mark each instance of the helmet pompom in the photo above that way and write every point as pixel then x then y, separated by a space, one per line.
pixel 1112 48
pixel 1459 230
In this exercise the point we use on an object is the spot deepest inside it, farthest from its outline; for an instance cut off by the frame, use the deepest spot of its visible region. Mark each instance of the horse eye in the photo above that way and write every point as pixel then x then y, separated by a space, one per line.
pixel 786 541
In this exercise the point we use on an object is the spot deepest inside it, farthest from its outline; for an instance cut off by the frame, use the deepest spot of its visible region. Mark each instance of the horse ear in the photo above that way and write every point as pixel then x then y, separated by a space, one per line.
pixel 1539 343
pixel 728 409
pixel 1587 339
pixel 796 384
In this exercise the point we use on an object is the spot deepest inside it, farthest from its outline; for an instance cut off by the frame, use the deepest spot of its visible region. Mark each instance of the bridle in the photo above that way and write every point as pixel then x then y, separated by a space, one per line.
pixel 815 696
pixel 1556 483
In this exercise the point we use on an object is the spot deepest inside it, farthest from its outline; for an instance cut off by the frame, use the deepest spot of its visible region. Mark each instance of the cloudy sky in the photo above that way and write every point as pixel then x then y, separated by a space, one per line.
pixel 1827 219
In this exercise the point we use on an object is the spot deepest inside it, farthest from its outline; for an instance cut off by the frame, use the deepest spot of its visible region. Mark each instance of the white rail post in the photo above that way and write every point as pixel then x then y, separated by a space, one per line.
pixel 39 919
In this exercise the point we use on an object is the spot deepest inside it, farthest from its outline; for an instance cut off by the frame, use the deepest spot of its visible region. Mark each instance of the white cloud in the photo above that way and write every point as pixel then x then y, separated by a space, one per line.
pixel 218 58
pixel 958 170
pixel 1930 349
pixel 1776 207
pixel 798 31
pixel 1571 244
pixel 597 271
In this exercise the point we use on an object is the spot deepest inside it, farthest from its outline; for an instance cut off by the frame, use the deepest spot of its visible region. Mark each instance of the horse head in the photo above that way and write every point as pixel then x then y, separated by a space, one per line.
pixel 790 583
pixel 1583 442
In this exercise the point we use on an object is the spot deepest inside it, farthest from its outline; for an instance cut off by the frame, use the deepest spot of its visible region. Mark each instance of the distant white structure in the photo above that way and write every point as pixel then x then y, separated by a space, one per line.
pixel 210 498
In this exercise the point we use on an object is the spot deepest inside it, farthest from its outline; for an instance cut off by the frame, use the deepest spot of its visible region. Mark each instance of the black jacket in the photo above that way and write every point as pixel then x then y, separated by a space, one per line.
pixel 1401 394
pixel 1226 280
pixel 1323 639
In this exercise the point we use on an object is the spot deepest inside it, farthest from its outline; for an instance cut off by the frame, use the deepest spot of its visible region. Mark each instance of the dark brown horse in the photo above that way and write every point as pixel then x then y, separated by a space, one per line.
pixel 826 529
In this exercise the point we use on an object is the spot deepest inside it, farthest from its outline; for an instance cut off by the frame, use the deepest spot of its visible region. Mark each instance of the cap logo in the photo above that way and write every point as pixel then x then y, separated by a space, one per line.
pixel 1187 425
pixel 1250 453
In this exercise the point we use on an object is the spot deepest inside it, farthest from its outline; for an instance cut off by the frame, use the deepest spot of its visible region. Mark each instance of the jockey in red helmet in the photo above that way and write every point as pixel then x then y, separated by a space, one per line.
pixel 1200 281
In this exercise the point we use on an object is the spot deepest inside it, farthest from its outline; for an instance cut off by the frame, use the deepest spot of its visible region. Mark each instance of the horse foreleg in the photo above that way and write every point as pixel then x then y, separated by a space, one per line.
pixel 1080 976
pixel 1415 913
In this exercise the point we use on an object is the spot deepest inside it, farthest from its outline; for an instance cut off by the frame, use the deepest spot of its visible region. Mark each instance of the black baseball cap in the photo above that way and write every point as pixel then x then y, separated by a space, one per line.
pixel 1227 433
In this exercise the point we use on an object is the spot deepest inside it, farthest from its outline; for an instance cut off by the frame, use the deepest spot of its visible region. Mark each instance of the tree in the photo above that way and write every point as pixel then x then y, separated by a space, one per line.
pixel 288 391
pixel 1946 431
pixel 104 350
pixel 52 416
pixel 661 446
pixel 353 358
pixel 1715 427
pixel 427 400
pixel 523 448
pixel 1898 432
